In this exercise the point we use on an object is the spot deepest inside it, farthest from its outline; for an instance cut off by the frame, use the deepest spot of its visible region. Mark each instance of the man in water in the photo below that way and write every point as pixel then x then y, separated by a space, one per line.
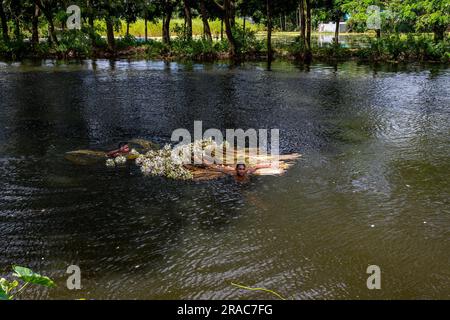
pixel 241 173
pixel 123 149
pixel 242 170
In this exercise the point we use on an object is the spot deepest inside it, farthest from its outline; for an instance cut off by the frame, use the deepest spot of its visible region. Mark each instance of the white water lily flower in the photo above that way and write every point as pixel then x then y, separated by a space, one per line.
pixel 120 160
pixel 134 152
pixel 168 161
pixel 110 163
pixel 146 170
pixel 150 154
pixel 139 160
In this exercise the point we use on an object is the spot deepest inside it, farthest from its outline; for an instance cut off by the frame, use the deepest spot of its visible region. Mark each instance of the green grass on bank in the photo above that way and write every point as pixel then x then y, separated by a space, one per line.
pixel 137 29
pixel 154 29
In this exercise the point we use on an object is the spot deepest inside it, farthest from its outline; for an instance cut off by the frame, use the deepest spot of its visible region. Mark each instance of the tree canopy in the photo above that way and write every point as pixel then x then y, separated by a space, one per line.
pixel 25 18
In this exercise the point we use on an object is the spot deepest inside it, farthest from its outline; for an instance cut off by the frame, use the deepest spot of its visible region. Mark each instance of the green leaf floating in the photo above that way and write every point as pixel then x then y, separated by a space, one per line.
pixel 3 294
pixel 7 286
pixel 29 276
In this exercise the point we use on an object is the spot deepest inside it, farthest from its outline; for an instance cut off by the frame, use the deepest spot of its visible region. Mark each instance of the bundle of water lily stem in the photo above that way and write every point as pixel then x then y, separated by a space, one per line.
pixel 200 160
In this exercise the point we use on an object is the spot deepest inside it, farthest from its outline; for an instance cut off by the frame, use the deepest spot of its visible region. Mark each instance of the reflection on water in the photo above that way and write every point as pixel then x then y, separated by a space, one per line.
pixel 371 188
pixel 351 41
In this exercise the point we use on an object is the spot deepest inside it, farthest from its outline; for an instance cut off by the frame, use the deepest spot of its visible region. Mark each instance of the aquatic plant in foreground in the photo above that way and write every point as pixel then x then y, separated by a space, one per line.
pixel 8 289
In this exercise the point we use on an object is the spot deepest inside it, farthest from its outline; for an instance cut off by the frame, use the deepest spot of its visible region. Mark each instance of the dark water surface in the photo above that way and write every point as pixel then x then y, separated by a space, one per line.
pixel 372 186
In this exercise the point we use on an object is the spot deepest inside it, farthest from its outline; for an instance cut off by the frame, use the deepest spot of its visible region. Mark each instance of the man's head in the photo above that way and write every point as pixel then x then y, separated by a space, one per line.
pixel 123 147
pixel 241 169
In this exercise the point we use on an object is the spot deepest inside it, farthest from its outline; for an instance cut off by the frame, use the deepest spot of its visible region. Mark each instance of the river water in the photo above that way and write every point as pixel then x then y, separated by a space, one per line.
pixel 372 186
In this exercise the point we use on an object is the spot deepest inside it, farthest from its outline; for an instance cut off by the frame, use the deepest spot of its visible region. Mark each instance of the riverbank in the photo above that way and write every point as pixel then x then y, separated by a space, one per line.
pixel 76 45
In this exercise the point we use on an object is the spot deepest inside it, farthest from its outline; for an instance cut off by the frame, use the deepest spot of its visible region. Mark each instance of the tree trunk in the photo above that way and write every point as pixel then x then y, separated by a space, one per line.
pixel 308 56
pixel 188 19
pixel 221 29
pixel 439 33
pixel 35 27
pixel 49 35
pixel 128 29
pixel 166 24
pixel 146 29
pixel 269 32
pixel 163 20
pixel 4 23
pixel 308 24
pixel 243 25
pixel 48 16
pixel 90 15
pixel 378 33
pixel 303 22
pixel 233 13
pixel 17 32
pixel 206 28
pixel 228 28
pixel 336 32
pixel 90 19
pixel 110 33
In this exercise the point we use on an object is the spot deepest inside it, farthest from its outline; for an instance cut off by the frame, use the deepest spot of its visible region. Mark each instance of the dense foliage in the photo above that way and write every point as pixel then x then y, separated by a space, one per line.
pixel 210 29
